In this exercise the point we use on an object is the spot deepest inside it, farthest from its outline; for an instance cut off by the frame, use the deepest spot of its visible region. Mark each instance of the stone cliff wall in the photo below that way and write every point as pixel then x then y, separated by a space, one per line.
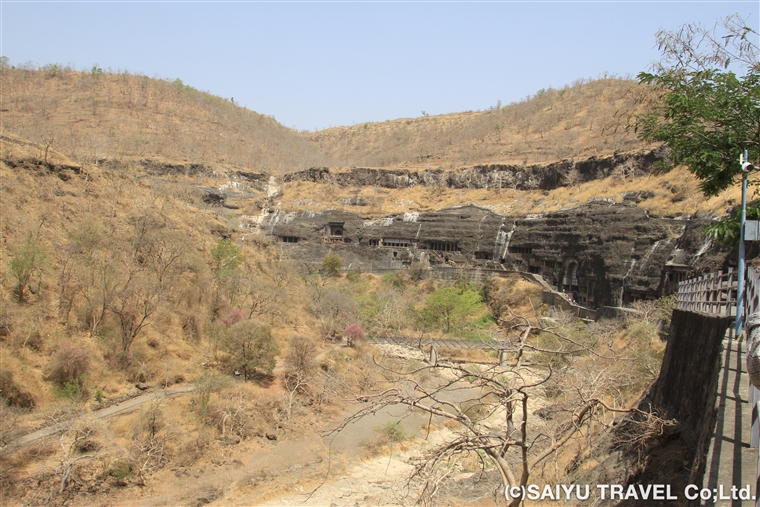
pixel 600 253
pixel 544 177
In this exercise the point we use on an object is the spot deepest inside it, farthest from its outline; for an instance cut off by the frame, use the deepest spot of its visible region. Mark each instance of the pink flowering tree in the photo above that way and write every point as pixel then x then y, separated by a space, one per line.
pixel 354 333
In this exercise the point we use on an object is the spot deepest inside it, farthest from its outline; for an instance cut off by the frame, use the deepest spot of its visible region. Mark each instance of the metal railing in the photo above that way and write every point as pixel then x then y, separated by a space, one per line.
pixel 716 294
pixel 713 293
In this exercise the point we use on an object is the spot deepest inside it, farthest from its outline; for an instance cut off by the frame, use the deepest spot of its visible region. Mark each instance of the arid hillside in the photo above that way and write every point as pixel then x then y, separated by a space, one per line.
pixel 96 115
pixel 136 258
pixel 587 119
pixel 99 115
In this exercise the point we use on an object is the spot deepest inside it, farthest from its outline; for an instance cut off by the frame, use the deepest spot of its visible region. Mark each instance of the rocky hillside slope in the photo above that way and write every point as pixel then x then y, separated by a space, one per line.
pixel 100 114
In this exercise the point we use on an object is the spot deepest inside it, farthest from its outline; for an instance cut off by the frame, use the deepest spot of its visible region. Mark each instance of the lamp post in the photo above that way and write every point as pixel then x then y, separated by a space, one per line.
pixel 746 168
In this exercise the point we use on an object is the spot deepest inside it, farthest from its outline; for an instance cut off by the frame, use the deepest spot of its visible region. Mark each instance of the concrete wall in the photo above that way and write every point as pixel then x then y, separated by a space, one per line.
pixel 686 389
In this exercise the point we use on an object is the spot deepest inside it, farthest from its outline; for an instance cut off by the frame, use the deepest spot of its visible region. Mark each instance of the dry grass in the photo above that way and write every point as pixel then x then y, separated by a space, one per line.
pixel 47 195
pixel 674 194
pixel 93 116
pixel 577 122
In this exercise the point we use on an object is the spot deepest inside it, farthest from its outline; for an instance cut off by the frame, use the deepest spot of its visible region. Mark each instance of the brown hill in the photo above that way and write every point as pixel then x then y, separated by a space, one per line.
pixel 117 268
pixel 97 115
pixel 580 121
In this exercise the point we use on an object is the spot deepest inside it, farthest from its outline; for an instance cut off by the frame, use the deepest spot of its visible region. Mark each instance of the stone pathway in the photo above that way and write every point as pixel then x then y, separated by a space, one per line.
pixel 730 460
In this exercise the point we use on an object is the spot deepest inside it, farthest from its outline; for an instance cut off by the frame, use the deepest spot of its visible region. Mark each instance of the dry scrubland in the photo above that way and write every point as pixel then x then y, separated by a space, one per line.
pixel 113 279
pixel 579 121
pixel 96 115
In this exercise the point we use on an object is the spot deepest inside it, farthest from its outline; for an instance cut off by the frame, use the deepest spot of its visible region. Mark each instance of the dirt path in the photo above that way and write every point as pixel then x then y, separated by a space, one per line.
pixel 308 470
pixel 304 467
pixel 120 408
pixel 131 404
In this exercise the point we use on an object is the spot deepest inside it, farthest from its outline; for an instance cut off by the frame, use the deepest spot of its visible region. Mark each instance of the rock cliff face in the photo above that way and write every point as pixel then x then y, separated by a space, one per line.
pixel 601 252
pixel 483 176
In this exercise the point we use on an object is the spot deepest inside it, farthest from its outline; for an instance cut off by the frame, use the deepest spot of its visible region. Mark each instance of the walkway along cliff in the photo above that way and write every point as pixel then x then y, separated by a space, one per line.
pixel 704 388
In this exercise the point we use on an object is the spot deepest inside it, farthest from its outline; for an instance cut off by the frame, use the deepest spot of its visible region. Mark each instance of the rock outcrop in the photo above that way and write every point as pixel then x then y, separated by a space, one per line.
pixel 602 253
pixel 544 177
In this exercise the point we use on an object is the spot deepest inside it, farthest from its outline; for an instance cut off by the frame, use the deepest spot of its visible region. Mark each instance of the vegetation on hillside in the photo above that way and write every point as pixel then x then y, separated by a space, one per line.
pixel 579 121
pixel 111 284
pixel 113 281
pixel 97 115
pixel 102 114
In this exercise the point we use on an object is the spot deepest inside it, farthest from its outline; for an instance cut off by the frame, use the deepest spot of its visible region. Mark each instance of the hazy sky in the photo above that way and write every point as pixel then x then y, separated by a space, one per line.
pixel 318 64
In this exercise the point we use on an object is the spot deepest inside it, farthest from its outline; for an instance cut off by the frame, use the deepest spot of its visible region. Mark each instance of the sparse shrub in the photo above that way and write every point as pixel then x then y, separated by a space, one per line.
pixel 192 326
pixel 34 341
pixel 152 419
pixel 335 309
pixel 207 386
pixel 120 469
pixel 392 432
pixel 396 279
pixel 73 390
pixel 301 354
pixel 12 394
pixel 642 333
pixel 70 364
pixel 232 318
pixel 27 259
pixel 332 265
pixel 516 295
pixel 227 256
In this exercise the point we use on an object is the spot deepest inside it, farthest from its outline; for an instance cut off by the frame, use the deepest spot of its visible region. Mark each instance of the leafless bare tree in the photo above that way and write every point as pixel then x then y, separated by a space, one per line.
pixel 488 406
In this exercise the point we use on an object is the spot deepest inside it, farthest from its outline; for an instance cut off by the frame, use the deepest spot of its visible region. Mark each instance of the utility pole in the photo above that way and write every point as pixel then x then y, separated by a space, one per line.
pixel 746 168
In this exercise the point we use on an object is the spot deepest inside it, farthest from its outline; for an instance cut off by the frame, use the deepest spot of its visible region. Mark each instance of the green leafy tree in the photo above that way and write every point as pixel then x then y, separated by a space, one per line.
pixel 451 308
pixel 706 102
pixel 227 256
pixel 251 347
pixel 26 260
pixel 726 231
pixel 332 265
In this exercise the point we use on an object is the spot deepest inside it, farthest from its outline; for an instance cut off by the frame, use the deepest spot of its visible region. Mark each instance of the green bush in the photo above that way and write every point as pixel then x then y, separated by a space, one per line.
pixel 120 469
pixel 332 265
pixel 392 432
pixel 73 390
pixel 396 279
pixel 452 308
pixel 26 260
pixel 227 256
